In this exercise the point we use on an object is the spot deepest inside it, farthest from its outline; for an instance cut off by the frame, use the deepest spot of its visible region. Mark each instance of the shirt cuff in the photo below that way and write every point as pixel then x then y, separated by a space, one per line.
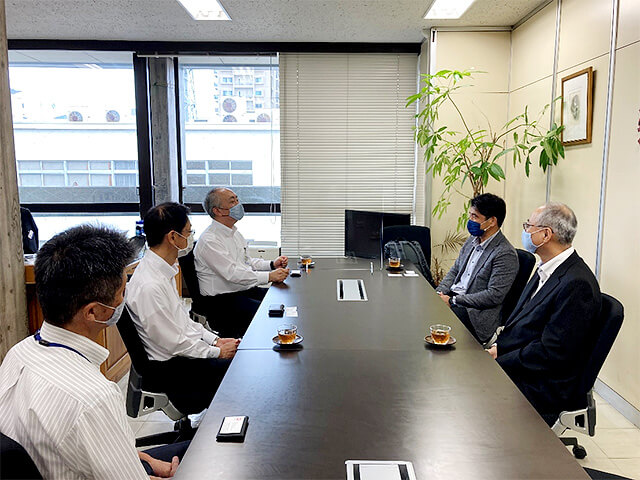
pixel 265 265
pixel 214 352
pixel 263 278
pixel 208 336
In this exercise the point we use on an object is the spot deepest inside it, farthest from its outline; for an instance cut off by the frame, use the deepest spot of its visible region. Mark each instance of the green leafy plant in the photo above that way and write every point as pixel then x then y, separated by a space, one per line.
pixel 473 155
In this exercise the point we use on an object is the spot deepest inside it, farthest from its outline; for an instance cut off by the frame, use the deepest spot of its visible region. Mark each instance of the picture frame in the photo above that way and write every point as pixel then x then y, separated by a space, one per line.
pixel 576 114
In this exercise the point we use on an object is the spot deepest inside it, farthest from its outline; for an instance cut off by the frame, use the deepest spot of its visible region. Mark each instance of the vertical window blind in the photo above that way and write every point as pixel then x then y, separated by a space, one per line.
pixel 346 143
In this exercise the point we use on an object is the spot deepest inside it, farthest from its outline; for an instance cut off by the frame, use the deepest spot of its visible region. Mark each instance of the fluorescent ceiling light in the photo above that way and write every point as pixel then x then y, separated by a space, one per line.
pixel 205 9
pixel 441 9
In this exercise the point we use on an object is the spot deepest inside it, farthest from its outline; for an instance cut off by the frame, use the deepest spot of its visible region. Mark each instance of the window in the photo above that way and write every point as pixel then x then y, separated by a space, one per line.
pixel 74 127
pixel 227 141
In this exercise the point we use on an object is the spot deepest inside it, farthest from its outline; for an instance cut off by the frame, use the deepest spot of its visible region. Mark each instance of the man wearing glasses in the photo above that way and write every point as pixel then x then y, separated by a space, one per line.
pixel 190 360
pixel 544 344
pixel 483 273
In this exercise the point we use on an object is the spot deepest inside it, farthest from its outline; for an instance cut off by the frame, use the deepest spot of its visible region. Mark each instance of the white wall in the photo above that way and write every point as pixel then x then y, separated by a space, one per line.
pixel 584 40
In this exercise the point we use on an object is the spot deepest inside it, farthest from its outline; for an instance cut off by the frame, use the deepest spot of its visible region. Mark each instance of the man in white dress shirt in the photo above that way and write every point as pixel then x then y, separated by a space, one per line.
pixel 229 279
pixel 54 401
pixel 188 361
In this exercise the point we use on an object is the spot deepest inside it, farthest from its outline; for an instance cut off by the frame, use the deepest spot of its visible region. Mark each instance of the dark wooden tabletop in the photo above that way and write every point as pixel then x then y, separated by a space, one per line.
pixel 367 387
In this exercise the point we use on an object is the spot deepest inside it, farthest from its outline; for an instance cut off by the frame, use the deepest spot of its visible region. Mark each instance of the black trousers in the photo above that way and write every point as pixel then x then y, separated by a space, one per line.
pixel 166 453
pixel 463 316
pixel 230 314
pixel 190 383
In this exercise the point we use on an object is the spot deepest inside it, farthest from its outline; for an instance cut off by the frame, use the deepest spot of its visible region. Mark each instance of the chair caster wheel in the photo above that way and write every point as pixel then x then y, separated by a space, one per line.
pixel 579 452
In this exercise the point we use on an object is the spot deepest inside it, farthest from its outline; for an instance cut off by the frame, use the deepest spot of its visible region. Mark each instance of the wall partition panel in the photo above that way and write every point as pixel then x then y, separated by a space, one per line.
pixel 347 143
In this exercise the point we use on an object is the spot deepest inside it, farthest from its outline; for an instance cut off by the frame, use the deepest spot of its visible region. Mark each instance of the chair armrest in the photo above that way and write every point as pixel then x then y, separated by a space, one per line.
pixel 583 420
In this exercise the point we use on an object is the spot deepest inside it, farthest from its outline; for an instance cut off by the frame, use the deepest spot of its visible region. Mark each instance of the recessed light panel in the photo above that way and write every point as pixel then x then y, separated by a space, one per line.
pixel 447 9
pixel 205 9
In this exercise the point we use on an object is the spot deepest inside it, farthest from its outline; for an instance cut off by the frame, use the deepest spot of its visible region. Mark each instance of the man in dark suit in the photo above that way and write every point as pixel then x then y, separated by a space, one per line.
pixel 542 346
pixel 484 271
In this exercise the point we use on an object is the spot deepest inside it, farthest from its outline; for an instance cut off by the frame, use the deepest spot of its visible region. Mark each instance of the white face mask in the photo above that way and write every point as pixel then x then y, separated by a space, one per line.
pixel 117 312
pixel 185 251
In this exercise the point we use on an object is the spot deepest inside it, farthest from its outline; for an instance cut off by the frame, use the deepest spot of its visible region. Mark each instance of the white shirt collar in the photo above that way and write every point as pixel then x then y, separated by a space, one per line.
pixel 160 264
pixel 222 228
pixel 90 349
pixel 545 270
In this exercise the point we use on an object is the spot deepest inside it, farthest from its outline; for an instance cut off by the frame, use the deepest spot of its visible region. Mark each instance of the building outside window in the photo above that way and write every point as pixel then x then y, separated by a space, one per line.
pixel 74 123
pixel 230 139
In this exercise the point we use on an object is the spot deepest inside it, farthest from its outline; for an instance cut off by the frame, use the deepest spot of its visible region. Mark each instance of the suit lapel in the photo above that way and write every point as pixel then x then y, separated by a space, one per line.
pixel 485 255
pixel 466 261
pixel 546 289
pixel 526 294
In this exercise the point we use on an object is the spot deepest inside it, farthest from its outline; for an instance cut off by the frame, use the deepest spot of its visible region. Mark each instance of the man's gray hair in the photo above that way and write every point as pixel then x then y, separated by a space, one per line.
pixel 212 200
pixel 561 219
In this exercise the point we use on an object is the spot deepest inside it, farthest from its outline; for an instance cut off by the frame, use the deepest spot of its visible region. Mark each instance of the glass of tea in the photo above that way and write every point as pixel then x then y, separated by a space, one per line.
pixel 394 262
pixel 305 260
pixel 440 333
pixel 287 333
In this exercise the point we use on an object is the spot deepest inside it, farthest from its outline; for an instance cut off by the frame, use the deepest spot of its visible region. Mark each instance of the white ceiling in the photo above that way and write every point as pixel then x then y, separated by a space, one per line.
pixel 379 21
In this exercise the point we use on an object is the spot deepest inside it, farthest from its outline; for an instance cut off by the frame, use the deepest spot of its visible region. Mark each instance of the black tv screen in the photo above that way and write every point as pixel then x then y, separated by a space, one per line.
pixel 363 231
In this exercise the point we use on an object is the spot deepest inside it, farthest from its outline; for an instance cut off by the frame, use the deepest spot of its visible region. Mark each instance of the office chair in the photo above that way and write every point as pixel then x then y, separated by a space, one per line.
pixel 15 462
pixel 138 243
pixel 526 262
pixel 141 400
pixel 188 268
pixel 411 233
pixel 583 420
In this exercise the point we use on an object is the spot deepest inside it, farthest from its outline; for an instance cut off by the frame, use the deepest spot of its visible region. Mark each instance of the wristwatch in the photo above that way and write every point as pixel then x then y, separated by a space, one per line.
pixel 452 300
pixel 273 267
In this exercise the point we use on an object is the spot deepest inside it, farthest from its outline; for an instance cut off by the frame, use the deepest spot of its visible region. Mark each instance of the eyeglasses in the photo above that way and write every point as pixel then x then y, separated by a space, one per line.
pixel 191 232
pixel 527 225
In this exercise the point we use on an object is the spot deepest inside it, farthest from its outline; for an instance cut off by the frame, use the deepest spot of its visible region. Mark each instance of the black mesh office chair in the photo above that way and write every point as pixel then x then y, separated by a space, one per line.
pixel 141 400
pixel 526 263
pixel 411 233
pixel 582 416
pixel 15 462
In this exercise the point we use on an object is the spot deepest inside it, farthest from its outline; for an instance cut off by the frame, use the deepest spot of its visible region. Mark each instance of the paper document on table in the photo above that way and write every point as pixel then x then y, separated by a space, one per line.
pixel 291 311
pixel 394 274
pixel 379 470
pixel 410 273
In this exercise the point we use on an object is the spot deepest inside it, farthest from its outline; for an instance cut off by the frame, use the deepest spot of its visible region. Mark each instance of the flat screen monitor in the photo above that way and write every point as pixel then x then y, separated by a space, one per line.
pixel 363 231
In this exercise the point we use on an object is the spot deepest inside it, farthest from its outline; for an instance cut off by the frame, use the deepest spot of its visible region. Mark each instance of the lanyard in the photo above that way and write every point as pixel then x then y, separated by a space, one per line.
pixel 45 343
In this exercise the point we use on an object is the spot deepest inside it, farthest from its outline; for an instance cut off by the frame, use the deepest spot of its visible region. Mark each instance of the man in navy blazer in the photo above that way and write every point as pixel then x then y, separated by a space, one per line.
pixel 543 346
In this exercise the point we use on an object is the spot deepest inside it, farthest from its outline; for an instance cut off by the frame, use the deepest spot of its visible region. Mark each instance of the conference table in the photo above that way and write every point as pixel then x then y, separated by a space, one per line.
pixel 366 386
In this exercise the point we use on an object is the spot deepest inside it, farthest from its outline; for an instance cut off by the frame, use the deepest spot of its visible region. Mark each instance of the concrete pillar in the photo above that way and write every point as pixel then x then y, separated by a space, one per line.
pixel 13 300
pixel 164 147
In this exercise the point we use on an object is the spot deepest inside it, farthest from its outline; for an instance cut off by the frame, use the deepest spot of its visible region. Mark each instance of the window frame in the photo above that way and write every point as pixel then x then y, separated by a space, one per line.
pixel 140 50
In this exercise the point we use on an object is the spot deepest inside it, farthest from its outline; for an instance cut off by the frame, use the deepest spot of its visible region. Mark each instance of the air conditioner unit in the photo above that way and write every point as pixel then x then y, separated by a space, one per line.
pixel 266 252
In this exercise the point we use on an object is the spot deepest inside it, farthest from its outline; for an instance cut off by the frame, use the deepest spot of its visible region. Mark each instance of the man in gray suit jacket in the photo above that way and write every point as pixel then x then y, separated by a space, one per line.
pixel 483 273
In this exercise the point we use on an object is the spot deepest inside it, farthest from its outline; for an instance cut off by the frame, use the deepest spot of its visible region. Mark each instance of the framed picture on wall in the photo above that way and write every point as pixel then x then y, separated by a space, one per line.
pixel 577 107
